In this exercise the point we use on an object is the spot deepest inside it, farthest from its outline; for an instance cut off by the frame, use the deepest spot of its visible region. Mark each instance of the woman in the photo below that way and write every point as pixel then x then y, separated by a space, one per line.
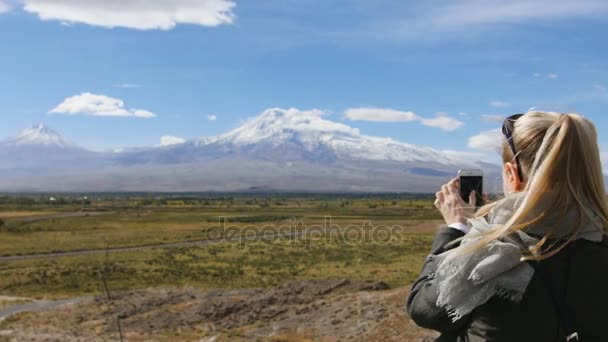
pixel 534 265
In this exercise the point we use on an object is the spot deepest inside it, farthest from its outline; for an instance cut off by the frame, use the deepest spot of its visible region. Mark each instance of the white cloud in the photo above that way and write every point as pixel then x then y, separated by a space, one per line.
pixel 98 105
pixel 168 140
pixel 443 19
pixel 487 141
pixel 551 76
pixel 466 155
pixel 211 117
pixel 127 85
pixel 4 7
pixel 445 123
pixel 493 117
pixel 600 88
pixel 441 121
pixel 135 14
pixel 466 13
pixel 380 115
pixel 499 104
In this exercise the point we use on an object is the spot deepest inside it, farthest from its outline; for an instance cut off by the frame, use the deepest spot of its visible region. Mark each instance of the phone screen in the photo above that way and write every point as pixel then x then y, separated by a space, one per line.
pixel 470 183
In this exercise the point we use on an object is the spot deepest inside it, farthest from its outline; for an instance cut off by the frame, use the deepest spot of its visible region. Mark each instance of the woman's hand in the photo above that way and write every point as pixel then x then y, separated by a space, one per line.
pixel 450 204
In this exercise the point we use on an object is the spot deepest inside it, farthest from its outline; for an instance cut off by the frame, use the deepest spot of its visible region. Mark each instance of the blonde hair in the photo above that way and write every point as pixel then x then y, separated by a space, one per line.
pixel 558 153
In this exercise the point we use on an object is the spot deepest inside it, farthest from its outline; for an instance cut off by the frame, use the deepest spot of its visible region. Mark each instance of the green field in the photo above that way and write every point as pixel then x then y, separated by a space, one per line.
pixel 383 237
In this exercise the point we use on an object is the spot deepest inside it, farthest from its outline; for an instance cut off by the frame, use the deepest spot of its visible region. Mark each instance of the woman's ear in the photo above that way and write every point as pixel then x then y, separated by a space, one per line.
pixel 512 176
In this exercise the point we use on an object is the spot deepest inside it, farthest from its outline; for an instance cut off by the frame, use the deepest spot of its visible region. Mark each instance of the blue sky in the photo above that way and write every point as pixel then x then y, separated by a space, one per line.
pixel 397 65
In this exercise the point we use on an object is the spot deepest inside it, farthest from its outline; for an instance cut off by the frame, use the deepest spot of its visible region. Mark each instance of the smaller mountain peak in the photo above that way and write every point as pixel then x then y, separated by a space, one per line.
pixel 38 129
pixel 42 128
pixel 41 135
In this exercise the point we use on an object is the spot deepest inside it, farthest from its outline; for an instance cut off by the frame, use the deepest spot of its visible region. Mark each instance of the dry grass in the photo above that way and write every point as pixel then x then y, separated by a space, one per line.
pixel 250 264
pixel 6 301
pixel 23 214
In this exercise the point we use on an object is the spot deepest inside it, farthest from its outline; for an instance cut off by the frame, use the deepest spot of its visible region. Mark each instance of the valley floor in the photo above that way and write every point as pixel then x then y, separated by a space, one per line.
pixel 311 310
pixel 222 268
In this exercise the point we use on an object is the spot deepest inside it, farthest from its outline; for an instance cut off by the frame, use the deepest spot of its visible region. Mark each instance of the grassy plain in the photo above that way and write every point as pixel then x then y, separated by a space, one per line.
pixel 383 237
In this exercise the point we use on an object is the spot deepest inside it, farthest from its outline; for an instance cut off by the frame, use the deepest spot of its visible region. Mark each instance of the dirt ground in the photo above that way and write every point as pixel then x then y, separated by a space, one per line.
pixel 307 310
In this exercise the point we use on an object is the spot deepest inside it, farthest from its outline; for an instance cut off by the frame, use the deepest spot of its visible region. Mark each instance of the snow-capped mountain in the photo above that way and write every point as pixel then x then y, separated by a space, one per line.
pixel 39 136
pixel 291 135
pixel 39 149
pixel 311 132
pixel 279 150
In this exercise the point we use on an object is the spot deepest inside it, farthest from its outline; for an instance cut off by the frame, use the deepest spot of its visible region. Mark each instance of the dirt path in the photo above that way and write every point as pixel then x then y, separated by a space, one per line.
pixel 36 305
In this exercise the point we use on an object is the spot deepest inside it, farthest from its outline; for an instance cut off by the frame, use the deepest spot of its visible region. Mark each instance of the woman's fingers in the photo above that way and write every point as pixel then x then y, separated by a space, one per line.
pixel 449 190
pixel 453 186
pixel 439 198
pixel 454 181
pixel 445 191
pixel 451 206
pixel 472 198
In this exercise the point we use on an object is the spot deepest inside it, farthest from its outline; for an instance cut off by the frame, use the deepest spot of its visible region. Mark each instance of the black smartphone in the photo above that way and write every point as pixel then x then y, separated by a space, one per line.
pixel 471 180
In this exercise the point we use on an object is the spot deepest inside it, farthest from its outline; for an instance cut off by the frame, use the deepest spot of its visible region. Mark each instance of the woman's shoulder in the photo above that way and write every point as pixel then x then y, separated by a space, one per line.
pixel 576 271
pixel 586 248
pixel 578 254
pixel 590 252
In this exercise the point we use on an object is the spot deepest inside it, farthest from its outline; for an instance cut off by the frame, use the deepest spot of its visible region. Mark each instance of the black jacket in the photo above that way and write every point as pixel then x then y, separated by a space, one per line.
pixel 577 277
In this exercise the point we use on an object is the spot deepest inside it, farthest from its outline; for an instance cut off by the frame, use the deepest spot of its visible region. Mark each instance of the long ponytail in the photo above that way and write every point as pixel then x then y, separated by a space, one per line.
pixel 559 155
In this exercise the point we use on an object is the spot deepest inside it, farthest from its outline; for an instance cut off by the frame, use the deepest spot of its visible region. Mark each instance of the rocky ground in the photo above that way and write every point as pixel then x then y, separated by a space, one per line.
pixel 309 310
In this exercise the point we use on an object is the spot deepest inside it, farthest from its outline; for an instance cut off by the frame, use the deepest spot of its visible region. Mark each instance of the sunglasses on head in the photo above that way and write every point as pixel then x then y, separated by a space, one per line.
pixel 507 130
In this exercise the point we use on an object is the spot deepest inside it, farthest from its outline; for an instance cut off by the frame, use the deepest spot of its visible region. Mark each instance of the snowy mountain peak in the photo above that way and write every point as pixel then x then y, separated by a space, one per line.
pixel 311 131
pixel 41 136
pixel 278 125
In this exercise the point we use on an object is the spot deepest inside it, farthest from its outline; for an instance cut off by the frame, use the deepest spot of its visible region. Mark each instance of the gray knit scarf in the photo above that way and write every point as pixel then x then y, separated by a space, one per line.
pixel 468 281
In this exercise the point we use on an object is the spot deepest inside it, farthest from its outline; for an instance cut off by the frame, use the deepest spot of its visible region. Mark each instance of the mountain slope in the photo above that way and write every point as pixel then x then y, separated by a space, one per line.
pixel 291 135
pixel 39 136
pixel 40 149
pixel 309 131
pixel 279 150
